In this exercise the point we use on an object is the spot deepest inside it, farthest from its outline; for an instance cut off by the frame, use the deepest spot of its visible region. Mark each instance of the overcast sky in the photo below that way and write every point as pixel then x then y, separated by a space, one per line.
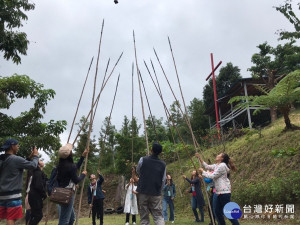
pixel 64 36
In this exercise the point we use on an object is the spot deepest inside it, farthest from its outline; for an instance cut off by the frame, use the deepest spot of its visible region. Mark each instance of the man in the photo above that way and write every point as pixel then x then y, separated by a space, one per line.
pixel 152 176
pixel 96 197
pixel 11 180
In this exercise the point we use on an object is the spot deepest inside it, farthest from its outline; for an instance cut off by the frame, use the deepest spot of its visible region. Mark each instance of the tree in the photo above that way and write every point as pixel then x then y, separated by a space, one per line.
pixel 27 127
pixel 12 42
pixel 107 142
pixel 227 76
pixel 199 121
pixel 128 133
pixel 157 134
pixel 281 97
pixel 82 145
pixel 273 63
pixel 288 13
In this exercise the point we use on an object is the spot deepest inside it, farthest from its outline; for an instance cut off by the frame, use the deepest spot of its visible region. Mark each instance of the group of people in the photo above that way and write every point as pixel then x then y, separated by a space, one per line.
pixel 149 182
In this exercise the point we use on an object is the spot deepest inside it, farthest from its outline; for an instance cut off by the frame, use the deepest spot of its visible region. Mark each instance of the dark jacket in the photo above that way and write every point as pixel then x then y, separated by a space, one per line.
pixel 99 192
pixel 11 174
pixel 169 189
pixel 38 184
pixel 66 171
pixel 199 196
pixel 152 175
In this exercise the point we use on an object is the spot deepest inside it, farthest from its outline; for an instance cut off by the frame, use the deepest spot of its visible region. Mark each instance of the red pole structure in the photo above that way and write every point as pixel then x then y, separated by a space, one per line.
pixel 215 91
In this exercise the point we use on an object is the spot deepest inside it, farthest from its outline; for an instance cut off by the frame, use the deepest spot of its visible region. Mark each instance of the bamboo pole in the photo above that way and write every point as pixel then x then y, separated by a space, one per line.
pixel 90 125
pixel 109 118
pixel 171 119
pixel 87 75
pixel 97 99
pixel 190 126
pixel 132 104
pixel 141 95
pixel 152 118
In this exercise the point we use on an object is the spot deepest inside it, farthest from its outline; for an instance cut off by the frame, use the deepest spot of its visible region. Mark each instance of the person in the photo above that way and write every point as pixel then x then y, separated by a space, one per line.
pixel 11 180
pixel 222 184
pixel 67 178
pixel 130 206
pixel 96 197
pixel 211 191
pixel 197 197
pixel 169 193
pixel 27 206
pixel 152 176
pixel 37 194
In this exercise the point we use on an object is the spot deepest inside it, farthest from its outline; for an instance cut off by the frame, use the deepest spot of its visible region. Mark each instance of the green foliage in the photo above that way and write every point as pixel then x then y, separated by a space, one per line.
pixel 227 76
pixel 284 153
pixel 277 190
pixel 198 120
pixel 12 42
pixel 156 132
pixel 288 13
pixel 27 127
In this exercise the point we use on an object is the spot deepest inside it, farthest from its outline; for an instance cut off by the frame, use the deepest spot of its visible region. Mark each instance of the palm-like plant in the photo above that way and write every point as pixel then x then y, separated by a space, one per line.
pixel 282 96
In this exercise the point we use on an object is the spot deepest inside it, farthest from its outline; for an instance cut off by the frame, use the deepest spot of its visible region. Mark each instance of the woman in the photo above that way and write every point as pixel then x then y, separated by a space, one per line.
pixel 197 198
pixel 130 206
pixel 169 193
pixel 222 184
pixel 67 178
pixel 96 197
pixel 37 194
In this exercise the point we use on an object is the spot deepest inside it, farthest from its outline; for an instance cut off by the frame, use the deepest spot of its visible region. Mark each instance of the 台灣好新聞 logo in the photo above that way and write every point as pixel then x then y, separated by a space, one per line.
pixel 232 210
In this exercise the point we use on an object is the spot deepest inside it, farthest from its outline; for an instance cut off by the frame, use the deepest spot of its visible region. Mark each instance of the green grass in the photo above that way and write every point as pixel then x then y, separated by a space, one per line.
pixel 188 219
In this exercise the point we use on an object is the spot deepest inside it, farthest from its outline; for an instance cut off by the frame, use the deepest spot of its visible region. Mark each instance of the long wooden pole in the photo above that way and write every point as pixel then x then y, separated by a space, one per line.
pixel 141 95
pixel 132 106
pixel 97 99
pixel 90 125
pixel 87 75
pixel 171 119
pixel 108 122
pixel 189 125
pixel 185 108
pixel 152 118
pixel 102 86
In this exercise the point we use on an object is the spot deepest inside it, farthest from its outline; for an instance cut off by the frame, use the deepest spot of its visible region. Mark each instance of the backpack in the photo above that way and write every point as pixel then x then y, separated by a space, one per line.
pixel 52 182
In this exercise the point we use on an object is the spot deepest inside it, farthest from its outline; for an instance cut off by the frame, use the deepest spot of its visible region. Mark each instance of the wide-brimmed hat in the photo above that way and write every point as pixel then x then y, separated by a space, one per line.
pixel 65 151
pixel 8 143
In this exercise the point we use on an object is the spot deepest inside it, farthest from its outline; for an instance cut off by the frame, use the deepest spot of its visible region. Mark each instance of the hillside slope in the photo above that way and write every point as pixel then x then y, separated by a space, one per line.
pixel 263 177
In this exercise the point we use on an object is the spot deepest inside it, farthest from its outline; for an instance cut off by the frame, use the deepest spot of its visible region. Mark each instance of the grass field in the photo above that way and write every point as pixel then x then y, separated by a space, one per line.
pixel 116 219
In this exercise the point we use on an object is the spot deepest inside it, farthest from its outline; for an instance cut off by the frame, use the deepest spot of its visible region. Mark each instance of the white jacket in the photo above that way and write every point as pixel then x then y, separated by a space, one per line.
pixel 130 205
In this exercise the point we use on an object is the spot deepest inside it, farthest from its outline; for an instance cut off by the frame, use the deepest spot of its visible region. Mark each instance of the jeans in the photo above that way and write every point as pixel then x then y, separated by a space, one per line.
pixel 168 201
pixel 221 200
pixel 67 214
pixel 195 205
pixel 214 203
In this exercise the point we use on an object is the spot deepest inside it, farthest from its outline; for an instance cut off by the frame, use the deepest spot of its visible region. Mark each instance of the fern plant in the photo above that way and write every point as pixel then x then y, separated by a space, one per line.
pixel 282 96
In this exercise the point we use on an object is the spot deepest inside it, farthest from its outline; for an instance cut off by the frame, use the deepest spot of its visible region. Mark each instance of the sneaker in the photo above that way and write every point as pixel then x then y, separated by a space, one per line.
pixel 172 221
pixel 126 223
pixel 134 223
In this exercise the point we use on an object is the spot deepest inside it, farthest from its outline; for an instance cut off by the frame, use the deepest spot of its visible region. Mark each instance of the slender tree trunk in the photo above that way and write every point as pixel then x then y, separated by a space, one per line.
pixel 285 112
pixel 273 114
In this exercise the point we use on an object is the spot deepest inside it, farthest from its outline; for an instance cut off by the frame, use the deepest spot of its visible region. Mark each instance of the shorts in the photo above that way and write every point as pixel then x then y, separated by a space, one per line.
pixel 11 209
